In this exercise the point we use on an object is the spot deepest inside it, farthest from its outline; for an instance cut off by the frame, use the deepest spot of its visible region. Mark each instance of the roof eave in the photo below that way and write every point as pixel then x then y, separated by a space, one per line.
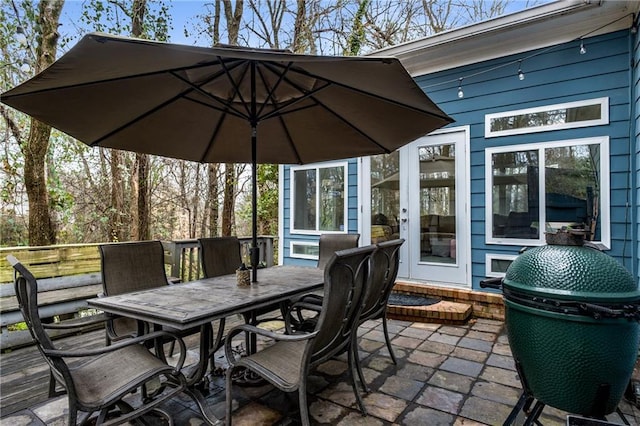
pixel 530 29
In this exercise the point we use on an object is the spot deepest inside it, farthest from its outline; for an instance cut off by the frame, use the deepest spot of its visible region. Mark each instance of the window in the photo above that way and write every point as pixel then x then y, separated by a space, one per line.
pixel 556 184
pixel 318 198
pixel 304 250
pixel 497 264
pixel 570 115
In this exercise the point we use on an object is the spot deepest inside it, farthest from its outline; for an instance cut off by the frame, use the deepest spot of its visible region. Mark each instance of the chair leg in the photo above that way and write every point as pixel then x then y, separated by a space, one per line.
pixel 356 391
pixel 229 401
pixel 304 407
pixel 359 368
pixel 386 338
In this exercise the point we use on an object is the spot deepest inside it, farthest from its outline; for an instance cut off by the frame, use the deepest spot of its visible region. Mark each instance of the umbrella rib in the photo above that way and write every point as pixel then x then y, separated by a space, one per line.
pixel 290 139
pixel 183 93
pixel 364 92
pixel 227 107
pixel 113 79
pixel 236 86
pixel 281 78
pixel 310 95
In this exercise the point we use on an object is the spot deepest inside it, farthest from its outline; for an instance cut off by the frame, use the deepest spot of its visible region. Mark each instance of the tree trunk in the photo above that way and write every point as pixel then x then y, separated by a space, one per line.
pixel 228 204
pixel 142 160
pixel 117 197
pixel 233 26
pixel 41 227
pixel 212 199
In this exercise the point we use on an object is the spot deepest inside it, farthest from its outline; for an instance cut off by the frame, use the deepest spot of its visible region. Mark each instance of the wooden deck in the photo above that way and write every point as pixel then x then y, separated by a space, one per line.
pixel 24 375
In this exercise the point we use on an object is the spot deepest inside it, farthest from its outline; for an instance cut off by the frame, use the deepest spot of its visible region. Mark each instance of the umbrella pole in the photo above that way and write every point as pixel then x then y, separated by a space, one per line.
pixel 255 251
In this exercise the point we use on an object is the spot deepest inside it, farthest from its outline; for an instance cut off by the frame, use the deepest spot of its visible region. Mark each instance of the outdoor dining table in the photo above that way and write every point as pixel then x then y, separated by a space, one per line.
pixel 198 303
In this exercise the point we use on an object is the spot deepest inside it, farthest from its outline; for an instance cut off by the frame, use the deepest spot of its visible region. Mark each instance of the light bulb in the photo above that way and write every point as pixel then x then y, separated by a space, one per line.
pixel 520 75
pixel 21 38
pixel 460 92
pixel 583 49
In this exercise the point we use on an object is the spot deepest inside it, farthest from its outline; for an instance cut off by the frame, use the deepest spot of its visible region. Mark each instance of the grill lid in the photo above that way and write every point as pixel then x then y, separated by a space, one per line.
pixel 581 274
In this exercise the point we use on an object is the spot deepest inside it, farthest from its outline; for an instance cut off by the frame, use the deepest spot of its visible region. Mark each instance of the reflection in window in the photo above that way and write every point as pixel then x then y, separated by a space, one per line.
pixel 385 196
pixel 553 117
pixel 319 198
pixel 437 203
pixel 546 118
pixel 515 194
pixel 563 179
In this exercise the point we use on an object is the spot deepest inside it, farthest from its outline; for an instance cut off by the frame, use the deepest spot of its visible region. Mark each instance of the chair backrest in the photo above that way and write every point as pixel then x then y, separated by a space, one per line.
pixel 331 243
pixel 133 266
pixel 26 288
pixel 220 255
pixel 385 262
pixel 346 278
pixel 128 267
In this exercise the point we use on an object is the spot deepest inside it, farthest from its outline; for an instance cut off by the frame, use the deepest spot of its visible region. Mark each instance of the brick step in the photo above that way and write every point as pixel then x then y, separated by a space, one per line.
pixel 443 312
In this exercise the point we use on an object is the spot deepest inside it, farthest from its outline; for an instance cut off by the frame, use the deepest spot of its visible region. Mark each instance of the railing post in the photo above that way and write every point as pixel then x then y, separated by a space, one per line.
pixel 174 257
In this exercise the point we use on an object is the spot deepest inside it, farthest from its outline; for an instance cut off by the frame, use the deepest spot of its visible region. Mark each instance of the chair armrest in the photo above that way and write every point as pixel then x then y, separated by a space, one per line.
pixel 122 344
pixel 78 322
pixel 294 317
pixel 248 328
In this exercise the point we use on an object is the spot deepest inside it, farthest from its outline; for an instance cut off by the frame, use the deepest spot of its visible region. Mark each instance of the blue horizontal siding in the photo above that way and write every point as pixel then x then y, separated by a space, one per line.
pixel 352 213
pixel 553 76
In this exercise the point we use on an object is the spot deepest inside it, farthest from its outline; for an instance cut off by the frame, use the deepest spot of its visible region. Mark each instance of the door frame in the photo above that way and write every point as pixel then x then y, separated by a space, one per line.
pixel 464 223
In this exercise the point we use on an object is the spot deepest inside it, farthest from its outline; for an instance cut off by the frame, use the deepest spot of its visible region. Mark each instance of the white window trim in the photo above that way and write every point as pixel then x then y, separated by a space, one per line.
pixel 605 201
pixel 294 255
pixel 292 202
pixel 604 118
pixel 489 257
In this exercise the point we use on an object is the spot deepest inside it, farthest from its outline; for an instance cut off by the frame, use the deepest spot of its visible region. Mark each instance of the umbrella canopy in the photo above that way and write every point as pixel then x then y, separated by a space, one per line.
pixel 210 104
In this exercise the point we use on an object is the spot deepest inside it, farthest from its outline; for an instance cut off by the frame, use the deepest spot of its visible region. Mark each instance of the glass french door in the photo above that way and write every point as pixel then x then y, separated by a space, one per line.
pixel 419 193
pixel 437 209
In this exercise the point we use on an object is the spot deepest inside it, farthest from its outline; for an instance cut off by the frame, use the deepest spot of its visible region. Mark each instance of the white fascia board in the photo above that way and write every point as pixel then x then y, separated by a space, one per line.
pixel 535 28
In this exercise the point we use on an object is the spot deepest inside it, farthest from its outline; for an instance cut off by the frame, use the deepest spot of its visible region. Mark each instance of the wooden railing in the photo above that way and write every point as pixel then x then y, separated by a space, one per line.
pixel 68 275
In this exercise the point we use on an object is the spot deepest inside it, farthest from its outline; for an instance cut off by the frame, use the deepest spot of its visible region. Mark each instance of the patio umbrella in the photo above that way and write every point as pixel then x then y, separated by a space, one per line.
pixel 227 104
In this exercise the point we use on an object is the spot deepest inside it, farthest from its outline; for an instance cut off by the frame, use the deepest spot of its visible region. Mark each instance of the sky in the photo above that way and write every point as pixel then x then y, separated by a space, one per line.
pixel 183 12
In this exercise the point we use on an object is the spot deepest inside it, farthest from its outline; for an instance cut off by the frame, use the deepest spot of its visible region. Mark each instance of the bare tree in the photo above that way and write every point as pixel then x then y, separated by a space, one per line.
pixel 36 147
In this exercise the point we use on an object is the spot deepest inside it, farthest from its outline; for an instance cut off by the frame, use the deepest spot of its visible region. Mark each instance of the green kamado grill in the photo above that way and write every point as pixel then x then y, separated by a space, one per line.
pixel 571 314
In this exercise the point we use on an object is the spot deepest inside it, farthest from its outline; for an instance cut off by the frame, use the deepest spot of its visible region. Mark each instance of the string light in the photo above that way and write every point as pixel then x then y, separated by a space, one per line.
pixel 520 73
pixel 25 67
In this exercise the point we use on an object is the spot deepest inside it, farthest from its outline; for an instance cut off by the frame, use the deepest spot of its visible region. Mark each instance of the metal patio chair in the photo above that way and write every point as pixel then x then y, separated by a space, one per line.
pixel 385 263
pixel 96 380
pixel 328 244
pixel 222 256
pixel 287 362
pixel 135 266
pixel 331 243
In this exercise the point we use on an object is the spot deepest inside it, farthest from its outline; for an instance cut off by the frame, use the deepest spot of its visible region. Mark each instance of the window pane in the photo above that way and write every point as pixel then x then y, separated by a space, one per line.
pixel 385 196
pixel 572 186
pixel 500 265
pixel 547 118
pixel 438 203
pixel 305 250
pixel 304 210
pixel 515 192
pixel 332 199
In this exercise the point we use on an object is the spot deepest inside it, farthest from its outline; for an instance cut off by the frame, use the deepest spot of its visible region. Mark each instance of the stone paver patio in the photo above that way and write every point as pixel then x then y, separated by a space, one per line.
pixel 446 375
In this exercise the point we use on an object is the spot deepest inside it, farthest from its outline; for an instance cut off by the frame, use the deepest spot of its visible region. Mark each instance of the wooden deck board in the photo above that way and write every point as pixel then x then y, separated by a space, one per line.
pixel 24 375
